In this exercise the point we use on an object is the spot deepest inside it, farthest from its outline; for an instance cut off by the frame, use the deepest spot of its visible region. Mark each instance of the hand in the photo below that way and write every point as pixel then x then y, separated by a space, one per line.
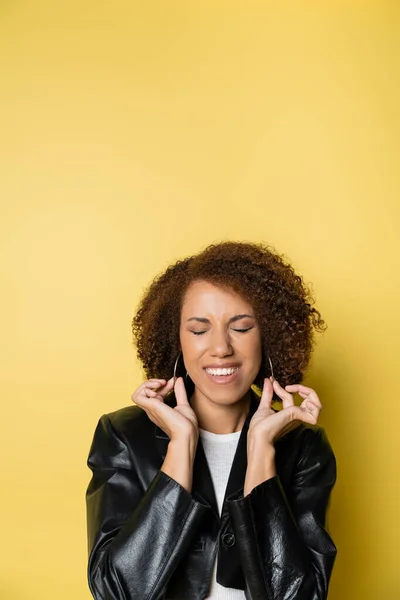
pixel 270 425
pixel 179 422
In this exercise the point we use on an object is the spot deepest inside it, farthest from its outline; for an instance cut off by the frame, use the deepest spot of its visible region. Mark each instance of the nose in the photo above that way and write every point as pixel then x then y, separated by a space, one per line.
pixel 220 343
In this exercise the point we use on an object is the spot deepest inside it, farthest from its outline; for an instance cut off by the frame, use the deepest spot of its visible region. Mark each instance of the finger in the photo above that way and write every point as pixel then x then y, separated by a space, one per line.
pixel 180 392
pixel 295 413
pixel 147 390
pixel 155 385
pixel 267 394
pixel 287 419
pixel 307 403
pixel 301 387
pixel 152 383
pixel 306 415
pixel 287 399
pixel 167 387
pixel 305 392
pixel 310 407
pixel 142 400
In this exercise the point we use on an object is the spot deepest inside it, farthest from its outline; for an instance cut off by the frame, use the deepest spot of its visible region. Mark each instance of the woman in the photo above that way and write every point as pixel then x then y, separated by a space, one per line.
pixel 203 489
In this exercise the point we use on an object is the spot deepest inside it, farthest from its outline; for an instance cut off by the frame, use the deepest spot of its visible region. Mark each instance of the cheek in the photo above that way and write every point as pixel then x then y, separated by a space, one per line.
pixel 254 353
pixel 252 346
pixel 192 345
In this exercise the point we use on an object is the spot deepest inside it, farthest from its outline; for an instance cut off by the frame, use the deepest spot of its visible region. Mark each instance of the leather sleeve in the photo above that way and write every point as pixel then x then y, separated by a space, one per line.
pixel 285 550
pixel 136 537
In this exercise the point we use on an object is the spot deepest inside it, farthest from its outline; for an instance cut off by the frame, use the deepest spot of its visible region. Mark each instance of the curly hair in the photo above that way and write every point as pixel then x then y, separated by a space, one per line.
pixel 282 305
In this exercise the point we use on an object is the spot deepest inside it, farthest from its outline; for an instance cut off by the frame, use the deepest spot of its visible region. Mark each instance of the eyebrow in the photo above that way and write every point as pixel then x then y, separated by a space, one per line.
pixel 235 318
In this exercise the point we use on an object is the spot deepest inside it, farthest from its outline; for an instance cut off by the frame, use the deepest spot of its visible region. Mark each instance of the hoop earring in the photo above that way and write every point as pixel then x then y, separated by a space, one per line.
pixel 175 367
pixel 270 364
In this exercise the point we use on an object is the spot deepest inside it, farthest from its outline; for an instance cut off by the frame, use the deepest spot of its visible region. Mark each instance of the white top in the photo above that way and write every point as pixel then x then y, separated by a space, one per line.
pixel 220 449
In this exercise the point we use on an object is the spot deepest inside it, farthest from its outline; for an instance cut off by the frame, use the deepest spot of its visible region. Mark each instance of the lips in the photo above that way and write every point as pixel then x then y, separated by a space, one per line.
pixel 222 379
pixel 226 365
pixel 226 371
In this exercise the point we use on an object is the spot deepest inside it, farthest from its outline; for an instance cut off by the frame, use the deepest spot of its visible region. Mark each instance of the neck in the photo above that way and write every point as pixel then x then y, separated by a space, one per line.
pixel 220 418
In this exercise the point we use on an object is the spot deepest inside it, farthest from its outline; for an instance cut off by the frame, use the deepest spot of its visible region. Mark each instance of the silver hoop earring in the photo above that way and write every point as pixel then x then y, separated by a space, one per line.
pixel 175 367
pixel 270 364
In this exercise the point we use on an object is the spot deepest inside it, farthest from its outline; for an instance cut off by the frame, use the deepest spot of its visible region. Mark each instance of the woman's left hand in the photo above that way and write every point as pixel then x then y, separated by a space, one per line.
pixel 268 425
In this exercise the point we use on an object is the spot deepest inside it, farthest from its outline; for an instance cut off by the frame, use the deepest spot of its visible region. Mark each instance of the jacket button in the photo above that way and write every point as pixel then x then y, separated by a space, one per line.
pixel 228 540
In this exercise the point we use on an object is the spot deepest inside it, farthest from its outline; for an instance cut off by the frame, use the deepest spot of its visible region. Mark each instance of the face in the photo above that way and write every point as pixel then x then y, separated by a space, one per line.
pixel 219 330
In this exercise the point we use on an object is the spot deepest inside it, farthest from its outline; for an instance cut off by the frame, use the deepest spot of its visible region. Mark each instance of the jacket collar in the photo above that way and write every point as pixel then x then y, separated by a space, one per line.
pixel 202 486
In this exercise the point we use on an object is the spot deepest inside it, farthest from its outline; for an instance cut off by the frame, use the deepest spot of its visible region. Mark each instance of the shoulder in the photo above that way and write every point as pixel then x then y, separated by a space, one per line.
pixel 315 460
pixel 128 419
pixel 133 419
pixel 305 436
pixel 314 444
pixel 132 422
pixel 130 426
pixel 306 446
pixel 117 434
pixel 314 435
pixel 119 428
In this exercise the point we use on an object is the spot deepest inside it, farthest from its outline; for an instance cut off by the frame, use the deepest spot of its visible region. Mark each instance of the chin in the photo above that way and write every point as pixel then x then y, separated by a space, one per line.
pixel 223 395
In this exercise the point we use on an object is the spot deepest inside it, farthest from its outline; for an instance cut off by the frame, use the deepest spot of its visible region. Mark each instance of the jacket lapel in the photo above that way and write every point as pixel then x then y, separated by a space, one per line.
pixel 239 465
pixel 202 487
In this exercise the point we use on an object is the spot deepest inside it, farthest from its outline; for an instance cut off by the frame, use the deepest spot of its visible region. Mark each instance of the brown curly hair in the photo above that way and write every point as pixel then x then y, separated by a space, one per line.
pixel 279 297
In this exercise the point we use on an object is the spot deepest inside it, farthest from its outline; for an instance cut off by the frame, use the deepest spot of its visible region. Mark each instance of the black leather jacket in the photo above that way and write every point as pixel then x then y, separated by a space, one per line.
pixel 150 539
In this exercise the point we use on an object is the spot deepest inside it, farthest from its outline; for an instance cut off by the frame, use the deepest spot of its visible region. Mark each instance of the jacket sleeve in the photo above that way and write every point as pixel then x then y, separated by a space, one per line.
pixel 285 550
pixel 136 537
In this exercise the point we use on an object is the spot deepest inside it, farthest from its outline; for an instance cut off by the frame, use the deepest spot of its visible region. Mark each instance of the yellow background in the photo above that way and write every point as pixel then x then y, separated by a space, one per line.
pixel 135 133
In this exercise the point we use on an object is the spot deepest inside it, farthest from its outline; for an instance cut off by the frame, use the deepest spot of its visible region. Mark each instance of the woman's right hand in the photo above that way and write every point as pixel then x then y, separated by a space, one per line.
pixel 179 422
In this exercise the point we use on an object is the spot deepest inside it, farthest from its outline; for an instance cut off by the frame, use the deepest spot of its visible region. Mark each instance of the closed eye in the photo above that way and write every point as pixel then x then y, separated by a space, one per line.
pixel 240 330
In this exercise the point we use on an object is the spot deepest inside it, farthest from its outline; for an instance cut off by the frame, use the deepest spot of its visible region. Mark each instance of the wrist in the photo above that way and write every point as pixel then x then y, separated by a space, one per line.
pixel 184 447
pixel 260 464
pixel 257 445
pixel 179 460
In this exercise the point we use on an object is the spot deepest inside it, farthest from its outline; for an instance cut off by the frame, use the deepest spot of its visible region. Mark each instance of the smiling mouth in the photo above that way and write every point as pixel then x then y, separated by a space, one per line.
pixel 222 375
pixel 220 371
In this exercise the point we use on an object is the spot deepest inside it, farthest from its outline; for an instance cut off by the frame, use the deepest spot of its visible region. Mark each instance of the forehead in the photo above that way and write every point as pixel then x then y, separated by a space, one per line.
pixel 203 296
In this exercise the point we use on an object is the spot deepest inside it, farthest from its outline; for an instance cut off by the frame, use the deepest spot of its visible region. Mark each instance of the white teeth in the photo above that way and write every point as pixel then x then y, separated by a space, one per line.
pixel 222 371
